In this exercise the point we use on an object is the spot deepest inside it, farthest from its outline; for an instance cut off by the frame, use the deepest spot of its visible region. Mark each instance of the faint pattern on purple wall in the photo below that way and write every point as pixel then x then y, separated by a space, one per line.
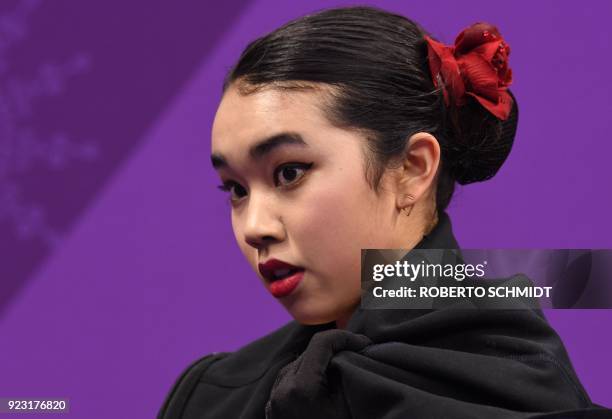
pixel 80 83
pixel 23 150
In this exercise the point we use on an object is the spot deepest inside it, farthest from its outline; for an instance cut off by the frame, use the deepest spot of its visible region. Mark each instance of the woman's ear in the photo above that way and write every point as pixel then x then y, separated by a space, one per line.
pixel 419 168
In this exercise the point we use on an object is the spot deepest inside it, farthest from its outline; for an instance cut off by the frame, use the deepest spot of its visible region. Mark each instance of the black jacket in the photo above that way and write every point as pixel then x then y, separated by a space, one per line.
pixel 389 364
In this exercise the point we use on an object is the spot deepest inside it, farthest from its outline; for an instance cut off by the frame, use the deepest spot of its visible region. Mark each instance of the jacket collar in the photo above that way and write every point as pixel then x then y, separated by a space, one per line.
pixel 382 325
pixel 441 236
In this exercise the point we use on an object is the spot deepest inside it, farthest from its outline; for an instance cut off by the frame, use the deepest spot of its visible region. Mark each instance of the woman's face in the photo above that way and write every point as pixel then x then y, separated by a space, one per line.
pixel 299 194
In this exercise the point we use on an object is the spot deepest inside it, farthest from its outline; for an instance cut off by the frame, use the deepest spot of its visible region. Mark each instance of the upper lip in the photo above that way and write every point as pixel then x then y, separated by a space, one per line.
pixel 268 267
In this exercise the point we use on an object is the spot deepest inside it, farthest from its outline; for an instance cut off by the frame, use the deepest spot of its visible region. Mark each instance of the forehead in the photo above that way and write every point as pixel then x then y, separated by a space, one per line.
pixel 242 119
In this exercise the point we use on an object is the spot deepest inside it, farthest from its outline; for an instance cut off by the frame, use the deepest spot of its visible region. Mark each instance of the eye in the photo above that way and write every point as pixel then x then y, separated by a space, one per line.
pixel 290 173
pixel 236 190
pixel 284 176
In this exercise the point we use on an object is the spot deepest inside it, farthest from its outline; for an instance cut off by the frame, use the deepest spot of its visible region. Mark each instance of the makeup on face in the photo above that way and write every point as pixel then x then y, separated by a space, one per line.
pixel 259 154
pixel 295 182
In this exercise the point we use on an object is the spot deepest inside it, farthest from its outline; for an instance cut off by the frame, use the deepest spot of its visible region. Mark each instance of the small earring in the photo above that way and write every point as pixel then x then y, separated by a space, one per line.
pixel 408 208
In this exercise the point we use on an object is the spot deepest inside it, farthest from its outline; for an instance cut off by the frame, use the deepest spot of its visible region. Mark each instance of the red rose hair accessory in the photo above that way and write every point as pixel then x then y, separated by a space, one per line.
pixel 477 65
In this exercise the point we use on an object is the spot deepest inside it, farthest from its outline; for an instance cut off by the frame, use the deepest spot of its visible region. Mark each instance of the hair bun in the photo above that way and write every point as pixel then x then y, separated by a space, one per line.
pixel 483 143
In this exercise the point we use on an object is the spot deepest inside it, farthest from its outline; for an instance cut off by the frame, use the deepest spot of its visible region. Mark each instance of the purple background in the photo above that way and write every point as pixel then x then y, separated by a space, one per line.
pixel 118 266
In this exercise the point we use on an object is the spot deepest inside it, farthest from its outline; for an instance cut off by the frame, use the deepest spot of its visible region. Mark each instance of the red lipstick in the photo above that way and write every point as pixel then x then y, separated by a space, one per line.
pixel 282 277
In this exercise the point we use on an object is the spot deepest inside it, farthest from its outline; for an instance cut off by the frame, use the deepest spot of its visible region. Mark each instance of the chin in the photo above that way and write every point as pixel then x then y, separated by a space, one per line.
pixel 310 308
pixel 306 314
pixel 311 321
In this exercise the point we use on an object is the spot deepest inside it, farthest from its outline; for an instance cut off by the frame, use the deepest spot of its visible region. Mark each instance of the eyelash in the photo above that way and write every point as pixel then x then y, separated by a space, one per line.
pixel 227 186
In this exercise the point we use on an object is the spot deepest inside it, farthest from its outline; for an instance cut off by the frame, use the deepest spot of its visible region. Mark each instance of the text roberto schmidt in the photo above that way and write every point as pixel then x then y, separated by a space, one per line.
pixel 458 272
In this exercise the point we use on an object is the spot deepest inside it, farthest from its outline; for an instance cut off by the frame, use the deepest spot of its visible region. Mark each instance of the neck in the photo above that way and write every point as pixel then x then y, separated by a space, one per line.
pixel 342 321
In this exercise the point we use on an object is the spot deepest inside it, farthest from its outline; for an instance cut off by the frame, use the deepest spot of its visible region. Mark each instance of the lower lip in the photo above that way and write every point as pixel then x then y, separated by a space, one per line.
pixel 283 287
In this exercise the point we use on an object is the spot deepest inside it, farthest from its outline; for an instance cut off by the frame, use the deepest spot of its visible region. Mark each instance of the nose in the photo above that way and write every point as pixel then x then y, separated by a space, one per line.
pixel 263 224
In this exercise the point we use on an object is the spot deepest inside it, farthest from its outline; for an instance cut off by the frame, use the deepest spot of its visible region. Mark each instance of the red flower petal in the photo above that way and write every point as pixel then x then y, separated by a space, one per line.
pixel 477 65
pixel 500 108
pixel 481 78
pixel 477 34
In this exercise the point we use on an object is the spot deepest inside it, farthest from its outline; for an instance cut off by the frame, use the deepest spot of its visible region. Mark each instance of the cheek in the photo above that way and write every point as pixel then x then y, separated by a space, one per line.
pixel 335 222
pixel 334 215
pixel 345 210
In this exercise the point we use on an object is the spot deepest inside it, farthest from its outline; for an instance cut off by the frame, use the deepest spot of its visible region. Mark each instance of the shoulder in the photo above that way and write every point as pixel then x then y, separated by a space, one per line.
pixel 238 368
pixel 187 380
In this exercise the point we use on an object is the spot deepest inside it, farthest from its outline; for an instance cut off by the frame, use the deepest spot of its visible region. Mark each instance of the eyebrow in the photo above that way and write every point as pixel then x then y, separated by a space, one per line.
pixel 263 147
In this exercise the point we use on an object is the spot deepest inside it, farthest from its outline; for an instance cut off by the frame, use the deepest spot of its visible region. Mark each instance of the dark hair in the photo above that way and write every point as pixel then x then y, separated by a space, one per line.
pixel 376 62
